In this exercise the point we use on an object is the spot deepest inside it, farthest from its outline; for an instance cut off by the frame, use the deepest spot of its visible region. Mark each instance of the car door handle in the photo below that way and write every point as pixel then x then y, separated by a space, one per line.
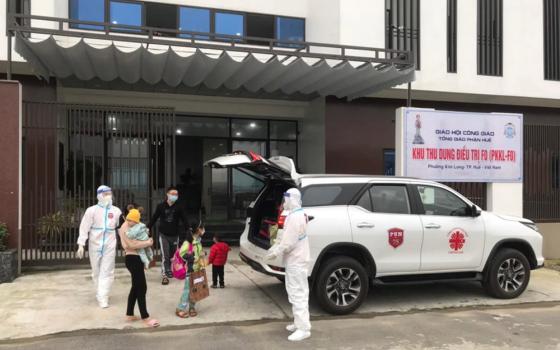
pixel 432 226
pixel 365 225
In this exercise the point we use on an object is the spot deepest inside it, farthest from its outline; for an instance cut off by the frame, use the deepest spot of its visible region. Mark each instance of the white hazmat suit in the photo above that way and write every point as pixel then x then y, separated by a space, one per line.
pixel 99 226
pixel 294 248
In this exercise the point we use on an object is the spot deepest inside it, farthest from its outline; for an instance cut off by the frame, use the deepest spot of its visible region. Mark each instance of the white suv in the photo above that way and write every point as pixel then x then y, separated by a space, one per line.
pixel 372 229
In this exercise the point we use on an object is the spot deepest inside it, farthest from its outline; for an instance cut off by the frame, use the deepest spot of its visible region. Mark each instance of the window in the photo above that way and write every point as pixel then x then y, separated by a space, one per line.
pixel 284 148
pixel 365 201
pixel 229 23
pixel 322 195
pixel 247 128
pixel 22 7
pixel 283 130
pixel 489 41
pixel 290 29
pixel 193 19
pixel 87 10
pixel 389 161
pixel 438 201
pixel 260 26
pixel 551 40
pixel 402 26
pixel 200 126
pixel 452 36
pixel 161 16
pixel 126 13
pixel 391 199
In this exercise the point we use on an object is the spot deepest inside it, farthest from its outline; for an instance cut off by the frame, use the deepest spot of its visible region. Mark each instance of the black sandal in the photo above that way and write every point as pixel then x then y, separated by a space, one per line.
pixel 165 281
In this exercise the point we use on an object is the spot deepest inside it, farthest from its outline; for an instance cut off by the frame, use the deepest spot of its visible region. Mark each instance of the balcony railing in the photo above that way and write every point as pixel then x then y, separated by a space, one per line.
pixel 23 24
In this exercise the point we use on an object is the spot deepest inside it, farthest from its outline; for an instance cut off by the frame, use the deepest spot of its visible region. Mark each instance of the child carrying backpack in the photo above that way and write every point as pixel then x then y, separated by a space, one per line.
pixel 193 257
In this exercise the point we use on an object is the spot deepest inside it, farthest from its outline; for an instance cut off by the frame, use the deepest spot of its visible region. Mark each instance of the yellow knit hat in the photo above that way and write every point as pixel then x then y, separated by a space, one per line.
pixel 133 215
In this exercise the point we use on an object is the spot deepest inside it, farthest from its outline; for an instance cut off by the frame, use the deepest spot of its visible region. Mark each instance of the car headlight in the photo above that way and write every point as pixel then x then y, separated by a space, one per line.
pixel 531 225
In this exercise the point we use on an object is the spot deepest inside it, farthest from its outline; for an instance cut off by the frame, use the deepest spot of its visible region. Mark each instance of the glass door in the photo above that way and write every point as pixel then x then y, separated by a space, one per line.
pixel 215 182
pixel 244 188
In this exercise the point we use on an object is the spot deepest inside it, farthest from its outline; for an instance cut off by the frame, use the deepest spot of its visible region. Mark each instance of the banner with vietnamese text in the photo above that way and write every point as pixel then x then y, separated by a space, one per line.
pixel 462 146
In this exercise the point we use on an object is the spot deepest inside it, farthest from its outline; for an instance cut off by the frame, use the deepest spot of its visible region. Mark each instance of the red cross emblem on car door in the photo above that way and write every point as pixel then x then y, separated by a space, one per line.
pixel 396 237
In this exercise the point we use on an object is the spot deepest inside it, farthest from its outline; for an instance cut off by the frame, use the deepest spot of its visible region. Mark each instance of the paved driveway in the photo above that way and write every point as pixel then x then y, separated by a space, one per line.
pixel 62 301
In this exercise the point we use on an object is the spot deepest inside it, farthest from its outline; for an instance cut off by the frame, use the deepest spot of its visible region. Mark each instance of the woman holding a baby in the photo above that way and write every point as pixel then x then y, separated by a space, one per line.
pixel 136 244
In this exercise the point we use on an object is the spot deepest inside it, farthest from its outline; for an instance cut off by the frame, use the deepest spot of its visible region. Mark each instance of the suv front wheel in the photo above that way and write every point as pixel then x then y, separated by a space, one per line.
pixel 508 274
pixel 341 286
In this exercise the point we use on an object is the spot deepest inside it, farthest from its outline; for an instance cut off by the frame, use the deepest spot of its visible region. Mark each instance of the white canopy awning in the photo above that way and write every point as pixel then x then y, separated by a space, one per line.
pixel 87 59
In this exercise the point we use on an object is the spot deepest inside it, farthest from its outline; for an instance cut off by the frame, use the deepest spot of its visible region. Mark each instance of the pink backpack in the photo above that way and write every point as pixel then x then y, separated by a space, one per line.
pixel 178 266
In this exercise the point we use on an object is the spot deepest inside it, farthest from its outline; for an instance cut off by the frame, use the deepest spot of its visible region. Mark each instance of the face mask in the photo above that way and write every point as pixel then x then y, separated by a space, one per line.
pixel 106 201
pixel 172 198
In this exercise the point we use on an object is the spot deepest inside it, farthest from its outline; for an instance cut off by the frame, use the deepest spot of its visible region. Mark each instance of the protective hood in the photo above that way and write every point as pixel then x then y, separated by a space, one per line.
pixel 102 200
pixel 292 199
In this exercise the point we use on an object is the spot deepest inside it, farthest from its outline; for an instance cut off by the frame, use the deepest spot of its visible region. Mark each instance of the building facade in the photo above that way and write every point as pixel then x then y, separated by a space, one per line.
pixel 128 104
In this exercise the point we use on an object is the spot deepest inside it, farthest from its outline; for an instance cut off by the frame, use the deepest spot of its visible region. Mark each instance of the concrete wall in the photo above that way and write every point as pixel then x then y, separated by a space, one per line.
pixel 522 52
pixel 189 104
pixel 312 139
pixel 362 22
pixel 551 239
pixel 10 143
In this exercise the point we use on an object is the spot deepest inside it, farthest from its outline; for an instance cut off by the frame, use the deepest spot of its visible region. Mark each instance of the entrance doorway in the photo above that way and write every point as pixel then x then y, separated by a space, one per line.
pixel 220 196
pixel 69 150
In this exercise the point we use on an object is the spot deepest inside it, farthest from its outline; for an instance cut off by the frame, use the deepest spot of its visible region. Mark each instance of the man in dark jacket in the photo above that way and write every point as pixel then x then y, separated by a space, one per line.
pixel 169 214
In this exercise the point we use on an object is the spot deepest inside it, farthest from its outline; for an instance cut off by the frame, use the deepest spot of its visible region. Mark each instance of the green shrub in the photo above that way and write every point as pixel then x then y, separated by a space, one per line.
pixel 53 225
pixel 3 236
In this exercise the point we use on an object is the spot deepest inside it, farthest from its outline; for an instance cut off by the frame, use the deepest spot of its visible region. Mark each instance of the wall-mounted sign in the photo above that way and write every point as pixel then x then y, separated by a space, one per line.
pixel 462 146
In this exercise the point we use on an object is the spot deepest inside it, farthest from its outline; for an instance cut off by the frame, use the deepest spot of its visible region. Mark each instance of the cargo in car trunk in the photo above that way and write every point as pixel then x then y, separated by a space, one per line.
pixel 278 173
pixel 266 213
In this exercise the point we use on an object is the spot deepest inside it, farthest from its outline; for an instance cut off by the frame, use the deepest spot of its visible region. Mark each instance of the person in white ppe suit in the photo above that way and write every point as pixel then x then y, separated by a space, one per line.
pixel 294 248
pixel 99 226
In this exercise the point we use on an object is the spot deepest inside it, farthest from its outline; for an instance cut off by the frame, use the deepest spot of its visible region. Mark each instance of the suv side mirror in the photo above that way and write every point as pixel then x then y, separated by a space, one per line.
pixel 475 212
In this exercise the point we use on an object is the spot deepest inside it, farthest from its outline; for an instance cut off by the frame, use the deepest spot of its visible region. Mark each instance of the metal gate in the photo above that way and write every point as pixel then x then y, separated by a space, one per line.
pixel 541 173
pixel 69 150
pixel 475 191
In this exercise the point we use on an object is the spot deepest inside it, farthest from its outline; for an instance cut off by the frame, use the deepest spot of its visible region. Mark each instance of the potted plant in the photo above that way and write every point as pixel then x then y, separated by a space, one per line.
pixel 8 257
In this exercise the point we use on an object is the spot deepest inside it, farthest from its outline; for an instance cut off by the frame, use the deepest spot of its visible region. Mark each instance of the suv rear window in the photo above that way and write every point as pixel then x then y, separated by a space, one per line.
pixel 335 194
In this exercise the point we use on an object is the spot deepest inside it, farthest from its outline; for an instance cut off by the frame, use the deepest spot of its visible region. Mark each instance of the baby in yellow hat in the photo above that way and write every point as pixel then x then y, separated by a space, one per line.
pixel 138 231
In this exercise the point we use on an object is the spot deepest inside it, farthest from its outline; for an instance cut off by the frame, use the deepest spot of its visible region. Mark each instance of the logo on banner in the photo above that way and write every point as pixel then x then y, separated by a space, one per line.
pixel 418 140
pixel 509 130
pixel 396 237
pixel 457 240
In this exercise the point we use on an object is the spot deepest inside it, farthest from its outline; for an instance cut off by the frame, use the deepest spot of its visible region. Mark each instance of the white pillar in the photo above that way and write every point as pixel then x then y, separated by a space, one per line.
pixel 505 198
pixel 399 142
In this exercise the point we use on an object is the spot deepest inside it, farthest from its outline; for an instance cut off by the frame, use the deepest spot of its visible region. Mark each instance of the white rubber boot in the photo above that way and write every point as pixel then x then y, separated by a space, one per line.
pixel 103 303
pixel 299 335
pixel 291 328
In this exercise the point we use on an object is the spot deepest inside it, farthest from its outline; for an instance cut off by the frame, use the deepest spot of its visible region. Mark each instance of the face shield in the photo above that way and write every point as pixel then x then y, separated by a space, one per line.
pixel 105 196
pixel 292 199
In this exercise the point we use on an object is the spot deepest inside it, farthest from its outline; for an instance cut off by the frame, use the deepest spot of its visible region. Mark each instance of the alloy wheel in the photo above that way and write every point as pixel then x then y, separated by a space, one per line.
pixel 343 286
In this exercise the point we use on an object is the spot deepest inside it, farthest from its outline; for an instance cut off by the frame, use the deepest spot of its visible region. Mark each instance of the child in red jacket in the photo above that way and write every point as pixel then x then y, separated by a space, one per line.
pixel 218 258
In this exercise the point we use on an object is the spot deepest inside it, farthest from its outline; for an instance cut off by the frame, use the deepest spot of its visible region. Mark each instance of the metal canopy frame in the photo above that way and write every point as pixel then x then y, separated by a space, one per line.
pixel 21 24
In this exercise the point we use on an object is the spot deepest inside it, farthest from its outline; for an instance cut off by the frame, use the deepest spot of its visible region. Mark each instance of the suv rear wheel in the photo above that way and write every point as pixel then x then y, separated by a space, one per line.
pixel 508 274
pixel 342 285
